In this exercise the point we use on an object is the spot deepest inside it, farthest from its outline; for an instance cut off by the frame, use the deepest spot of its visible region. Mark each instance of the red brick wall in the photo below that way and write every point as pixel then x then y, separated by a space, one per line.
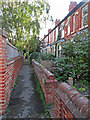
pixel 13 67
pixel 70 104
pixel 47 81
pixel 8 72
pixel 3 60
pixel 49 36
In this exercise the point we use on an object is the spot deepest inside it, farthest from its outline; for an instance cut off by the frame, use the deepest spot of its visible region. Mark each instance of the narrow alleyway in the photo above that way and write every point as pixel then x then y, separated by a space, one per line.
pixel 25 101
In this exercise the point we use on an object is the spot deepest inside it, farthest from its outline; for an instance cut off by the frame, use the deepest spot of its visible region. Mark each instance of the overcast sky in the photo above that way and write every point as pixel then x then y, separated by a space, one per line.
pixel 59 9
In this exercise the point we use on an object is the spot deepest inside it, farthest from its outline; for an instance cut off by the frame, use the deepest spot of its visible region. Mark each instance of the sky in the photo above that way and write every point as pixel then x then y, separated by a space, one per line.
pixel 58 10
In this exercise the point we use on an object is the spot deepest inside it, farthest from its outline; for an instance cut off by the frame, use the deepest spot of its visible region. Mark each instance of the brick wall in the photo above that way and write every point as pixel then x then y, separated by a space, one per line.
pixel 47 81
pixel 8 72
pixel 13 67
pixel 69 104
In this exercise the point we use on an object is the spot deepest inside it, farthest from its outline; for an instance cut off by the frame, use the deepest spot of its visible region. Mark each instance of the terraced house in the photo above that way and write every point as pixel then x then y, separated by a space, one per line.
pixel 75 21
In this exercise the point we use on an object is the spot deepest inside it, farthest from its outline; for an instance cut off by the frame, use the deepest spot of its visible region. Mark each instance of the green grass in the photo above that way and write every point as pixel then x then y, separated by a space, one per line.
pixel 39 90
pixel 16 82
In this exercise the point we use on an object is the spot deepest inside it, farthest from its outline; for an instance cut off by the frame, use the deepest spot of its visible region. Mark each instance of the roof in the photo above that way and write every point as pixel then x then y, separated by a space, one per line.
pixel 70 13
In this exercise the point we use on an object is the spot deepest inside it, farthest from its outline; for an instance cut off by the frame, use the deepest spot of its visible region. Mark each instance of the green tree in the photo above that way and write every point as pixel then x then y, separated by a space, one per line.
pixel 22 21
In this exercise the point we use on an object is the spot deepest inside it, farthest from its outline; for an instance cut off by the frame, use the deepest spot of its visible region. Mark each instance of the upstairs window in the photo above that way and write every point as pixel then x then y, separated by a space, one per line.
pixel 49 38
pixel 53 36
pixel 85 16
pixel 62 30
pixel 68 26
pixel 56 32
pixel 74 23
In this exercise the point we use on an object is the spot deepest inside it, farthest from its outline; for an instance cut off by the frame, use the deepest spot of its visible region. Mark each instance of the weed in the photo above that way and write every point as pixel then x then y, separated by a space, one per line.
pixel 39 90
pixel 16 82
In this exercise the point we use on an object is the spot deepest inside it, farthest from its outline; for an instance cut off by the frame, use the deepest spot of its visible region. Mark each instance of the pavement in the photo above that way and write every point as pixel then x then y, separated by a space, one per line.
pixel 25 101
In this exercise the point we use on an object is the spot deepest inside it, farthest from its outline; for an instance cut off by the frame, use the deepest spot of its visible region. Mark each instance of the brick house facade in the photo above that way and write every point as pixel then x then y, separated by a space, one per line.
pixel 76 20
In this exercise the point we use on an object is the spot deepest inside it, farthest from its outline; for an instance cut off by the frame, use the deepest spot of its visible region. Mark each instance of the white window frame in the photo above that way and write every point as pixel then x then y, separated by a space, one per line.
pixel 53 36
pixel 74 23
pixel 53 49
pixel 62 30
pixel 46 40
pixel 68 26
pixel 56 33
pixel 83 16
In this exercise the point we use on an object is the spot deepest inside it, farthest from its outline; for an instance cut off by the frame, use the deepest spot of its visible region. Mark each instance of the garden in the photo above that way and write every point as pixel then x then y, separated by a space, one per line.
pixel 73 63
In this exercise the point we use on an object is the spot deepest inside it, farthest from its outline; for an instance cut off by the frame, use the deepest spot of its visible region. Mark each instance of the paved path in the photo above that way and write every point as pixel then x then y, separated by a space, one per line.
pixel 25 101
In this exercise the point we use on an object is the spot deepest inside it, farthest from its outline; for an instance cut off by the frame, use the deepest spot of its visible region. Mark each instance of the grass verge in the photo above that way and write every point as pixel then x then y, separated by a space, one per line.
pixel 39 90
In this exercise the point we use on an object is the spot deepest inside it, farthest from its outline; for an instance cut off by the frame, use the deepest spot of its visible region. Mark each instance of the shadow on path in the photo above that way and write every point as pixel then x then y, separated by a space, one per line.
pixel 25 102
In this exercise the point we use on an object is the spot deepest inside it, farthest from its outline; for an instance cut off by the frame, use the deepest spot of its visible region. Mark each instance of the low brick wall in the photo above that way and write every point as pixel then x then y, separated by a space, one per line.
pixel 8 72
pixel 68 103
pixel 47 81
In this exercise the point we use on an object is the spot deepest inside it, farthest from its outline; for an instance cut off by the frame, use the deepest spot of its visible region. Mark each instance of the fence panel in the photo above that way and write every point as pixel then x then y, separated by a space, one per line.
pixel 11 51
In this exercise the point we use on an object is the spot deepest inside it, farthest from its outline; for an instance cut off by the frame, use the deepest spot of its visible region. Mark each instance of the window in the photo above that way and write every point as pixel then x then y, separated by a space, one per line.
pixel 53 36
pixel 59 50
pixel 53 49
pixel 74 23
pixel 68 26
pixel 62 30
pixel 46 40
pixel 49 38
pixel 56 32
pixel 85 16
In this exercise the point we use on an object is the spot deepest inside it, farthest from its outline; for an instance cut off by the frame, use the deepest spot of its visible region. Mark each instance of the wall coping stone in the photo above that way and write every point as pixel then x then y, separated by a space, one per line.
pixel 77 99
pixel 8 43
pixel 13 60
pixel 48 74
pixel 68 103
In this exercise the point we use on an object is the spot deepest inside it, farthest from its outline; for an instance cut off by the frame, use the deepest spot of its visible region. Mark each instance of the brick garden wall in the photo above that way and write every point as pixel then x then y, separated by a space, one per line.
pixel 68 103
pixel 47 81
pixel 8 72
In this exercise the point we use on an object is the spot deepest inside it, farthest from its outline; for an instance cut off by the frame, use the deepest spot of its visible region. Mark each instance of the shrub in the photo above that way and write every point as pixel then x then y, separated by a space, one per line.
pixel 47 56
pixel 34 55
pixel 74 62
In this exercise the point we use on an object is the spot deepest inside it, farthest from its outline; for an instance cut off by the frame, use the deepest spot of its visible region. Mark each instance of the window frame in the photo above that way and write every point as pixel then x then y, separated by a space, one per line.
pixel 83 16
pixel 62 30
pixel 56 33
pixel 53 36
pixel 73 22
pixel 68 26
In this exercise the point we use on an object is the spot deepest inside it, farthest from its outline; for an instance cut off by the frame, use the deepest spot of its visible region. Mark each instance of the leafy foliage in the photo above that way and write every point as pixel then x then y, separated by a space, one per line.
pixel 33 55
pixel 47 56
pixel 74 62
pixel 22 21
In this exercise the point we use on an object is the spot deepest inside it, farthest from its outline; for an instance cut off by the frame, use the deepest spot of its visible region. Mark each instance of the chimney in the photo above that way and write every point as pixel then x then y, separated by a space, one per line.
pixel 44 35
pixel 49 30
pixel 48 36
pixel 56 21
pixel 72 5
